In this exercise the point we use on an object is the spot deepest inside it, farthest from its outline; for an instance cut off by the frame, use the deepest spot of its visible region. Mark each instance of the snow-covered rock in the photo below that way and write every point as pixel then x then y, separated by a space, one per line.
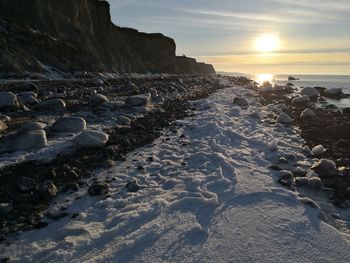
pixel 143 100
pixel 32 126
pixel 301 100
pixel 91 139
pixel 311 92
pixel 307 113
pixel 50 105
pixel 241 102
pixel 325 167
pixel 30 140
pixel 333 93
pixel 97 99
pixel 7 98
pixel 69 124
pixel 318 150
pixel 284 118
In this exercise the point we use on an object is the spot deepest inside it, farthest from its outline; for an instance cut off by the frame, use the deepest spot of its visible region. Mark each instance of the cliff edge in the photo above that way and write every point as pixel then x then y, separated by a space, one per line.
pixel 78 35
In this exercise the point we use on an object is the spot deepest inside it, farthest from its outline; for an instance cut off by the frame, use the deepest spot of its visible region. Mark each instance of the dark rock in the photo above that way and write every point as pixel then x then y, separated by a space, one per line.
pixel 132 186
pixel 47 190
pixel 325 168
pixel 69 125
pixel 98 188
pixel 40 224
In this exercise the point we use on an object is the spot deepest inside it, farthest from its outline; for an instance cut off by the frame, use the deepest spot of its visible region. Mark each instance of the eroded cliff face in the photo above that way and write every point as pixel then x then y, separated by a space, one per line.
pixel 78 35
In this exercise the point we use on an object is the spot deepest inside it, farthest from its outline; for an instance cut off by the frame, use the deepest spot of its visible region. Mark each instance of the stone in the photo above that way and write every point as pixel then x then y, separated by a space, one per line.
pixel 132 186
pixel 333 93
pixel 30 140
pixel 91 139
pixel 286 178
pixel 122 120
pixel 98 188
pixel 284 118
pixel 5 118
pixel 3 126
pixel 311 92
pixel 69 125
pixel 241 102
pixel 32 126
pixel 97 99
pixel 8 100
pixel 307 113
pixel 47 190
pixel 318 150
pixel 325 168
pixel 301 100
pixel 143 100
pixel 28 98
pixel 315 182
pixel 50 105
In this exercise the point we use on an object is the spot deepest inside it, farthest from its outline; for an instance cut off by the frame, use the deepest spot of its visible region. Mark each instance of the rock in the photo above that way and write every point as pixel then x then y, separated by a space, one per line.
pixel 132 186
pixel 315 182
pixel 32 126
pixel 28 98
pixel 5 118
pixel 143 100
pixel 47 190
pixel 69 125
pixel 97 99
pixel 334 93
pixel 318 150
pixel 284 118
pixel 311 92
pixel 307 113
pixel 3 126
pixel 325 168
pixel 122 120
pixel 5 208
pixel 50 105
pixel 91 139
pixel 286 178
pixel 301 100
pixel 291 78
pixel 29 140
pixel 311 174
pixel 98 188
pixel 8 99
pixel 241 102
pixel 302 181
pixel 273 145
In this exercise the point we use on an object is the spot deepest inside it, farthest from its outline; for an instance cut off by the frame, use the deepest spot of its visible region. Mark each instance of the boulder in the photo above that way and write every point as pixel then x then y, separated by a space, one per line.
pixel 3 126
pixel 311 92
pixel 143 100
pixel 91 139
pixel 8 100
pixel 325 167
pixel 98 188
pixel 32 126
pixel 334 93
pixel 97 100
pixel 69 124
pixel 318 150
pixel 29 140
pixel 284 118
pixel 301 100
pixel 241 102
pixel 307 113
pixel 50 105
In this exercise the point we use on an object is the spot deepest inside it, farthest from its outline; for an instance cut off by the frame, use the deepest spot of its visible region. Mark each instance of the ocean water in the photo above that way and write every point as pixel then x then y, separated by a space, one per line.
pixel 327 81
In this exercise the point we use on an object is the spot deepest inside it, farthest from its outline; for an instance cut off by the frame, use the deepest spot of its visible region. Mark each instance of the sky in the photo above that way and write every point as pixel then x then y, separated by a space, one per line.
pixel 313 36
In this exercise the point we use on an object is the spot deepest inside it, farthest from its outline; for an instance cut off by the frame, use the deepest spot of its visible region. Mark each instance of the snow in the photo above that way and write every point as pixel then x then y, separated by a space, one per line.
pixel 205 197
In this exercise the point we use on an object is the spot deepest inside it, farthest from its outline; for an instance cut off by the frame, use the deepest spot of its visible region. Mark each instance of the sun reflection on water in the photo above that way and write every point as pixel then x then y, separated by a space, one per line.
pixel 261 78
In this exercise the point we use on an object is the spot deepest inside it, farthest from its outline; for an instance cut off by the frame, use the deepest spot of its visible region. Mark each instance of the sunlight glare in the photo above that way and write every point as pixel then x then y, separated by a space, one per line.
pixel 262 78
pixel 267 43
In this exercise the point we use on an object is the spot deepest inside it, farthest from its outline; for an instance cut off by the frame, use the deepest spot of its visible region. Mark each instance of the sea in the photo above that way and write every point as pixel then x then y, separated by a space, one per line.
pixel 326 81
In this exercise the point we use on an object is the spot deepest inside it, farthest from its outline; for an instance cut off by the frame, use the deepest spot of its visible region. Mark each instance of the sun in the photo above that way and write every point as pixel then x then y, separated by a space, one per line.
pixel 267 43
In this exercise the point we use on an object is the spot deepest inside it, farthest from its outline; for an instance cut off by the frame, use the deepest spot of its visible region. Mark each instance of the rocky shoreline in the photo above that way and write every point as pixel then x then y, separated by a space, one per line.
pixel 131 112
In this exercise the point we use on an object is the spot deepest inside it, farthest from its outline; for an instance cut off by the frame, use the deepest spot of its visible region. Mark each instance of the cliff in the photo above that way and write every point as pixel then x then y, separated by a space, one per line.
pixel 78 35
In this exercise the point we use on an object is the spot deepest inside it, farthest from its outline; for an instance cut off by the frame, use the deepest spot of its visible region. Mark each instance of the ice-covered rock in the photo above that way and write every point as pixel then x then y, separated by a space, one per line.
pixel 143 100
pixel 311 92
pixel 318 150
pixel 28 98
pixel 50 105
pixel 325 167
pixel 32 126
pixel 307 113
pixel 8 99
pixel 69 124
pixel 333 93
pixel 3 126
pixel 284 118
pixel 91 139
pixel 30 140
pixel 97 99
pixel 301 100
pixel 241 102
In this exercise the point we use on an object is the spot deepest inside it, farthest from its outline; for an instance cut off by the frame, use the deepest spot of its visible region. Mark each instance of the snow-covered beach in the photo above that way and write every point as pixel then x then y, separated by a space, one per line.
pixel 207 194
